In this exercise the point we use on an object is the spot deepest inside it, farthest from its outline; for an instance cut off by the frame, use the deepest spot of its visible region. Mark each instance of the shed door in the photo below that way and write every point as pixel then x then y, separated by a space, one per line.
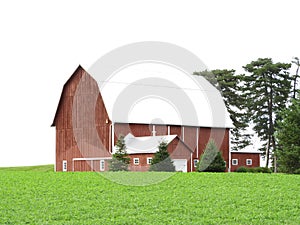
pixel 180 164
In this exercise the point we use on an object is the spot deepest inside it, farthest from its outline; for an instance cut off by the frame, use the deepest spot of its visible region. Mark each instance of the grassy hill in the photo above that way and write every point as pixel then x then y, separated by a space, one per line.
pixel 41 168
pixel 28 197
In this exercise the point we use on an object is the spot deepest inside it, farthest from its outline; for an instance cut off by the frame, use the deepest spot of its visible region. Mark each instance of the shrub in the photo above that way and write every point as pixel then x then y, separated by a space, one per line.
pixel 119 161
pixel 211 160
pixel 297 171
pixel 263 170
pixel 242 169
pixel 161 160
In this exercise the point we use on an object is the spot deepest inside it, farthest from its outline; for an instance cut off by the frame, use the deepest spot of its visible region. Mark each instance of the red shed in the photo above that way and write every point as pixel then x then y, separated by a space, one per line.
pixel 245 159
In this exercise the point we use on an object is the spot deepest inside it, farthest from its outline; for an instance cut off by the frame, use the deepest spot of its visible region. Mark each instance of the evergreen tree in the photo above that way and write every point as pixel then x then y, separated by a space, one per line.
pixel 288 135
pixel 161 160
pixel 229 85
pixel 120 160
pixel 295 77
pixel 266 89
pixel 211 160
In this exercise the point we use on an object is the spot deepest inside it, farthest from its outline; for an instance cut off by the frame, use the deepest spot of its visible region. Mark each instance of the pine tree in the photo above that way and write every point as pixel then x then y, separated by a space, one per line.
pixel 211 160
pixel 228 83
pixel 120 160
pixel 266 89
pixel 288 135
pixel 161 160
pixel 295 77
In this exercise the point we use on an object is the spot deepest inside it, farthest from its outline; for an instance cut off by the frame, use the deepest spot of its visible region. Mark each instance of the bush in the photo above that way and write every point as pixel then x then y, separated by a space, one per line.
pixel 211 160
pixel 297 171
pixel 263 170
pixel 242 169
pixel 119 161
pixel 161 160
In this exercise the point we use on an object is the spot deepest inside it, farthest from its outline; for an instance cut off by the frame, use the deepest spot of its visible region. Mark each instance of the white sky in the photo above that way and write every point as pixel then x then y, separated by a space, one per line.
pixel 42 43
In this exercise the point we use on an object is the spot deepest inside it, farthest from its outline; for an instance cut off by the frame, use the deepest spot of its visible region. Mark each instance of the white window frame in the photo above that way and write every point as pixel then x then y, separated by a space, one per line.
pixel 64 165
pixel 195 162
pixel 102 165
pixel 235 162
pixel 249 160
pixel 149 160
pixel 138 161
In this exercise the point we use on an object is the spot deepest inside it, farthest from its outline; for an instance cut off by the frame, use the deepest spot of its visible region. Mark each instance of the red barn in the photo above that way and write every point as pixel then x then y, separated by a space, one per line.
pixel 87 128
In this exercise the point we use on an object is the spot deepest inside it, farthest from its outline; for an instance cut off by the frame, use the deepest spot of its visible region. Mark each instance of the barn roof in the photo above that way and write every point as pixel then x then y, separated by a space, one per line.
pixel 151 94
pixel 146 144
pixel 132 97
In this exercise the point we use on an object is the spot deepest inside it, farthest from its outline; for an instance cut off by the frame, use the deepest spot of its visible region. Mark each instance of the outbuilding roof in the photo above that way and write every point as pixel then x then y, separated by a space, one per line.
pixel 145 144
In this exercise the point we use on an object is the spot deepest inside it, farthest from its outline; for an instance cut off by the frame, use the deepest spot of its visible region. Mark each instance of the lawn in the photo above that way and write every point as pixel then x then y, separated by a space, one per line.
pixel 185 198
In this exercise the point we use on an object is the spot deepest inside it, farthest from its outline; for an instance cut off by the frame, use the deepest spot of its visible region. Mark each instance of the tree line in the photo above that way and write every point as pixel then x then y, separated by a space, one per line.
pixel 266 99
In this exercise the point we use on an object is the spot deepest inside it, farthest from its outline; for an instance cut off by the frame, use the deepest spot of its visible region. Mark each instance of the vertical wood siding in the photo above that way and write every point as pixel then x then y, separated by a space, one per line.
pixel 80 97
pixel 242 157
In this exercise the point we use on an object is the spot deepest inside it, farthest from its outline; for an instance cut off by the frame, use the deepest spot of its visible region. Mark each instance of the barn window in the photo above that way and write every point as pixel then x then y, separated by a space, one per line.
pixel 149 160
pixel 248 162
pixel 136 161
pixel 102 165
pixel 235 162
pixel 64 165
pixel 196 162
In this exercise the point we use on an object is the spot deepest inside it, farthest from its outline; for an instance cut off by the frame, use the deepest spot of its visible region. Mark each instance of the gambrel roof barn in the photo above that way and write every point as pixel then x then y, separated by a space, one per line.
pixel 88 122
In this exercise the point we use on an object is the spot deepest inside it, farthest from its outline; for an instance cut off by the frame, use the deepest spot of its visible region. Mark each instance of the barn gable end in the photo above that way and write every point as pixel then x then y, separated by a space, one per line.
pixel 79 135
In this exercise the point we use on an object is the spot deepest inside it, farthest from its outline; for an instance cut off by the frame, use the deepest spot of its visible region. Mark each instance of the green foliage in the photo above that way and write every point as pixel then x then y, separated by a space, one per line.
pixel 211 160
pixel 243 169
pixel 266 89
pixel 161 160
pixel 228 83
pixel 288 135
pixel 119 161
pixel 89 198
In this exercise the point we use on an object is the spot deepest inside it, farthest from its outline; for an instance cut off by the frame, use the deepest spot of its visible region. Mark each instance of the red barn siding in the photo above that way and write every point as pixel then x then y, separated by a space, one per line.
pixel 81 96
pixel 161 130
pixel 142 166
pixel 174 129
pixel 242 157
pixel 81 136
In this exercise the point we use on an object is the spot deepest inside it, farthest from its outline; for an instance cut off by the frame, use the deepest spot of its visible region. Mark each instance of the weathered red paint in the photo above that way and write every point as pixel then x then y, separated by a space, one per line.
pixel 94 137
pixel 242 157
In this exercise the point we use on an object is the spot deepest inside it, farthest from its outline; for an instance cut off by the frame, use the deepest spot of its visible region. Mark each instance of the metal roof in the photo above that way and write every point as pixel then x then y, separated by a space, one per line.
pixel 151 94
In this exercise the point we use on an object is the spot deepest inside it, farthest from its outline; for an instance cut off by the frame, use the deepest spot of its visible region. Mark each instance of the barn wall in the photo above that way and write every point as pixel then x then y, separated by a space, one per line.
pixel 137 130
pixel 78 135
pixel 242 157
pixel 188 134
pixel 221 138
pixel 178 150
pixel 143 166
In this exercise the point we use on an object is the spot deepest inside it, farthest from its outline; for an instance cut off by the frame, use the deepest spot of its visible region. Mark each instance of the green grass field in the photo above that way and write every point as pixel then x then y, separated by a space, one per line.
pixel 28 197
pixel 42 168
